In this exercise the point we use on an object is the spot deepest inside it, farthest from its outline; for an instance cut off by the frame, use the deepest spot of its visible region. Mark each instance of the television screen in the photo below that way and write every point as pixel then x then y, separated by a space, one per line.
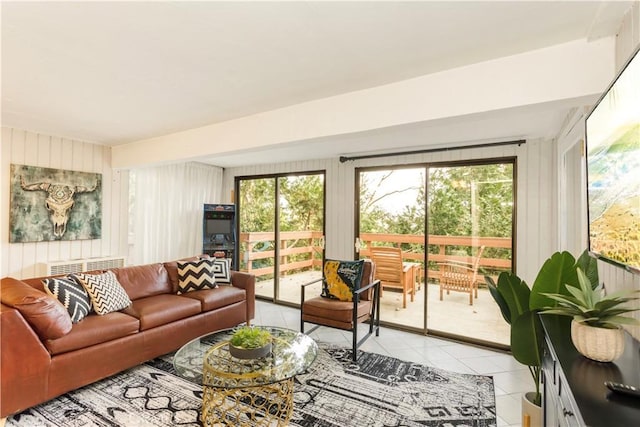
pixel 613 170
pixel 219 226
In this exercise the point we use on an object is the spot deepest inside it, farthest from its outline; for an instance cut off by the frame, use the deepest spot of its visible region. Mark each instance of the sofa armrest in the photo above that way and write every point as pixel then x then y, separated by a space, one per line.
pixel 24 364
pixel 46 315
pixel 247 282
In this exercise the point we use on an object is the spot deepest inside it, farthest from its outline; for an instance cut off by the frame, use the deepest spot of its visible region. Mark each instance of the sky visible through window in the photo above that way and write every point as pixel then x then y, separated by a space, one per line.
pixel 408 180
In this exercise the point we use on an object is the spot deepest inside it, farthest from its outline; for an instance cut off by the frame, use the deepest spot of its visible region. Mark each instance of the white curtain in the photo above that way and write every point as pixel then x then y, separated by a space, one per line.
pixel 168 210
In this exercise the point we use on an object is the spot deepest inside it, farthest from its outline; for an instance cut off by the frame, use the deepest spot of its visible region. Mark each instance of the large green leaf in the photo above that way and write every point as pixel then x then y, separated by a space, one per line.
pixel 515 293
pixel 527 339
pixel 588 295
pixel 589 265
pixel 578 295
pixel 619 320
pixel 554 274
pixel 493 289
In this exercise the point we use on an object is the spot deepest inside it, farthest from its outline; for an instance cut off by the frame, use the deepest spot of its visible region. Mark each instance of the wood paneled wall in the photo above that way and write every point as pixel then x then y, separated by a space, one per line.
pixel 536 195
pixel 22 260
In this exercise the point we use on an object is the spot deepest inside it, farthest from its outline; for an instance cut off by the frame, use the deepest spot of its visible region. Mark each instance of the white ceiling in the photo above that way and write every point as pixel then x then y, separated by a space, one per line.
pixel 118 72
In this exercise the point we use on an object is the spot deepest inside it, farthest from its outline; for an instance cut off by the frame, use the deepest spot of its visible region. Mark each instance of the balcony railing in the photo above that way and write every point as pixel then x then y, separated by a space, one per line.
pixel 302 250
pixel 299 251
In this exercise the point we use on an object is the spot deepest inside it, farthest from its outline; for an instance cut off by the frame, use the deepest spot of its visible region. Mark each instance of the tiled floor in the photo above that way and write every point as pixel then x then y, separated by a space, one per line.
pixel 510 378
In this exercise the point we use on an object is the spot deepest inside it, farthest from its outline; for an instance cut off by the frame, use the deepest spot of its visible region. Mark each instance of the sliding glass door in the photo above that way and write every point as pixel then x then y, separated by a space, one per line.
pixel 453 224
pixel 470 235
pixel 391 214
pixel 282 232
pixel 257 242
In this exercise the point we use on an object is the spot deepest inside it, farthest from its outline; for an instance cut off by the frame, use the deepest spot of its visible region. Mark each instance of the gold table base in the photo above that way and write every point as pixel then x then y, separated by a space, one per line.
pixel 262 405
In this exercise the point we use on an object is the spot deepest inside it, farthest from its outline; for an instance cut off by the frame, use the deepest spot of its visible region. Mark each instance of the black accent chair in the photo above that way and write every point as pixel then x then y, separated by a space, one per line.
pixel 346 315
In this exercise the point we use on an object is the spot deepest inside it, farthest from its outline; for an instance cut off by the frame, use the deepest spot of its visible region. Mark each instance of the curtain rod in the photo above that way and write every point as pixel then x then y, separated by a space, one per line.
pixel 432 150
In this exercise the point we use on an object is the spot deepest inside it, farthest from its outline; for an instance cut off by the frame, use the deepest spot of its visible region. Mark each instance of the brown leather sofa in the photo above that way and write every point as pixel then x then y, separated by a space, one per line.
pixel 43 355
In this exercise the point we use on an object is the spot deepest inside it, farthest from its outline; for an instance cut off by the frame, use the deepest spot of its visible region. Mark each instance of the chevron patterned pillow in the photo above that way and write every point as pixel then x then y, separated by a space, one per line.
pixel 71 294
pixel 222 270
pixel 106 293
pixel 196 275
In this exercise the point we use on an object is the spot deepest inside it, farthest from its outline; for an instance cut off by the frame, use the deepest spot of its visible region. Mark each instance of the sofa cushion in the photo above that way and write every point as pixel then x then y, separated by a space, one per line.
pixel 222 270
pixel 162 309
pixel 141 281
pixel 195 275
pixel 222 296
pixel 94 330
pixel 71 294
pixel 107 295
pixel 48 318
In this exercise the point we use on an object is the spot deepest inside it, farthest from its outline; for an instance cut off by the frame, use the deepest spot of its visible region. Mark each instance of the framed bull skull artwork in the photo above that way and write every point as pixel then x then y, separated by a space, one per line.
pixel 54 204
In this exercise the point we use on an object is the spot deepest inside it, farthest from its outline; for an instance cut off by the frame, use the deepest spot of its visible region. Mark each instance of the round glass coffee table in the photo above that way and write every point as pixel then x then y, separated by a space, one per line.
pixel 246 392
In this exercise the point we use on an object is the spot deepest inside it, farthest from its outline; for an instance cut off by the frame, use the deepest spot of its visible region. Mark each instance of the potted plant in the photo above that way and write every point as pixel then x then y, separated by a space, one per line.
pixel 596 327
pixel 520 305
pixel 250 343
pixel 513 296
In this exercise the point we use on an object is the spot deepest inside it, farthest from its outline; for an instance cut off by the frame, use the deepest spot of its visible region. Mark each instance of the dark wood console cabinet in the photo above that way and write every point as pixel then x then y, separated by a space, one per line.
pixel 573 386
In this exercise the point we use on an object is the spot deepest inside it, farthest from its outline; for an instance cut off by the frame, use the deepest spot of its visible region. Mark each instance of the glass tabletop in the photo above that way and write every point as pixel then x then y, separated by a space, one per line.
pixel 206 360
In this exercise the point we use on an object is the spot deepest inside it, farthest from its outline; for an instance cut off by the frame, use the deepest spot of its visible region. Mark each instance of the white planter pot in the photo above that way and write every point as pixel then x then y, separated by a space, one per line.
pixel 599 344
pixel 531 414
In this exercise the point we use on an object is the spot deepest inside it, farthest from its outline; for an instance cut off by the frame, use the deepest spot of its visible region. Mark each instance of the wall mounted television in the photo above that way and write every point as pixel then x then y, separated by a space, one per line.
pixel 612 131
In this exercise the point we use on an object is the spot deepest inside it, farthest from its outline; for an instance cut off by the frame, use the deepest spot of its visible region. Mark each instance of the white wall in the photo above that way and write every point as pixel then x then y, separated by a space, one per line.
pixel 22 260
pixel 536 211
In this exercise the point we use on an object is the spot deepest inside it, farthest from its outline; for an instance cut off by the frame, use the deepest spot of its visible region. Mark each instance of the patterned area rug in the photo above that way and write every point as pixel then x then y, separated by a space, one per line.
pixel 377 391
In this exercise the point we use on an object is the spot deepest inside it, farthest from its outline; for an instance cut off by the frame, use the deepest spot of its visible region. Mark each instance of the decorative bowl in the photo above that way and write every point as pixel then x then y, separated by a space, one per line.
pixel 250 353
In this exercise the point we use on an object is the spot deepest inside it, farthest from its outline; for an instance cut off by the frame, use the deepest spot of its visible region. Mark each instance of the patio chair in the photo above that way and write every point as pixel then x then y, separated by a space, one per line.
pixel 392 272
pixel 346 315
pixel 460 276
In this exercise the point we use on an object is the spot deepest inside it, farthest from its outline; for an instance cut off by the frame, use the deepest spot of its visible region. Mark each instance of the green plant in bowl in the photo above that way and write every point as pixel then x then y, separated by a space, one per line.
pixel 249 337
pixel 250 343
pixel 597 319
pixel 590 306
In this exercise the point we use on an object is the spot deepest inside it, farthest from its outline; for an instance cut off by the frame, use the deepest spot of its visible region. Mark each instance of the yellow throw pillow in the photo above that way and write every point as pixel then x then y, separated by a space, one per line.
pixel 341 279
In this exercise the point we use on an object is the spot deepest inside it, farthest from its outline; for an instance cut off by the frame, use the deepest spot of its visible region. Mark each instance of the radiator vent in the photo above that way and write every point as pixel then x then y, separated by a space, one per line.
pixel 80 265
